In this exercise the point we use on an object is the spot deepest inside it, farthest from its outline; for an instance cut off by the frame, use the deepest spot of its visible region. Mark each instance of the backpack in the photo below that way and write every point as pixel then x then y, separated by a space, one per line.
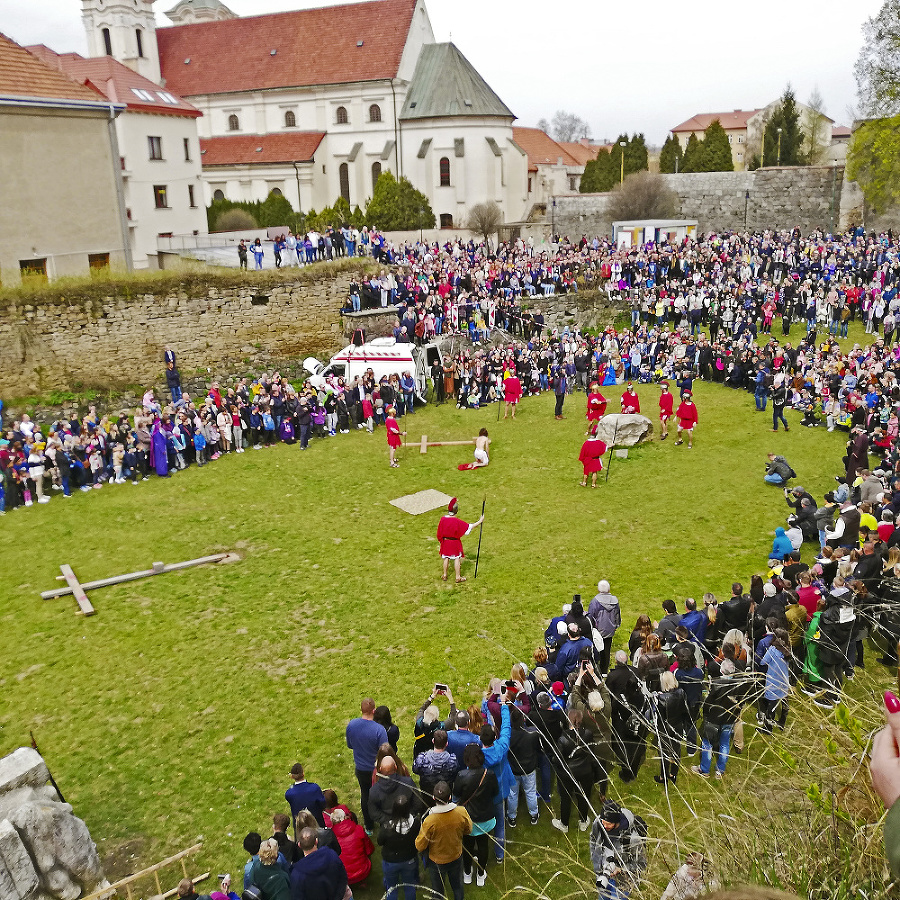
pixel 634 843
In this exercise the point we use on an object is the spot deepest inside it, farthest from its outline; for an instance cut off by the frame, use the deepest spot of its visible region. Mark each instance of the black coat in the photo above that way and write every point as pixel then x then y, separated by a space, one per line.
pixel 476 790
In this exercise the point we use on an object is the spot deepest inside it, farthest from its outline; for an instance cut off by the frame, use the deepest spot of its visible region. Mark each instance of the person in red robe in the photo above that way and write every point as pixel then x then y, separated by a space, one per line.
pixel 512 393
pixel 451 531
pixel 687 419
pixel 630 402
pixel 591 457
pixel 394 435
pixel 666 404
pixel 596 405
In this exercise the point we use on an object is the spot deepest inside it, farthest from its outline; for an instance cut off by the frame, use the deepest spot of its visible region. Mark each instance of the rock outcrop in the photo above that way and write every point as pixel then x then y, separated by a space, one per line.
pixel 46 852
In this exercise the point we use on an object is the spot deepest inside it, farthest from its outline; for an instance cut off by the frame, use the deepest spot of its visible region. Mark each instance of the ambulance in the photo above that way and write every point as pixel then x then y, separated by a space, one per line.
pixel 384 356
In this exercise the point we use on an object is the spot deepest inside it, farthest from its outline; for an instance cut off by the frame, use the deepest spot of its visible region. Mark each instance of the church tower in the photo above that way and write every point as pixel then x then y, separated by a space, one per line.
pixel 125 30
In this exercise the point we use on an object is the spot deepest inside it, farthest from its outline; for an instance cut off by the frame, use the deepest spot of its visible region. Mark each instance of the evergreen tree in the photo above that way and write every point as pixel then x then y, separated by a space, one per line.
pixel 716 151
pixel 398 206
pixel 671 157
pixel 637 158
pixel 600 174
pixel 693 154
pixel 789 150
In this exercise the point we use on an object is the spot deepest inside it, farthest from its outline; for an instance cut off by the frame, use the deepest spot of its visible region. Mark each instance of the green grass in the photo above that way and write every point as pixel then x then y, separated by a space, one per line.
pixel 178 709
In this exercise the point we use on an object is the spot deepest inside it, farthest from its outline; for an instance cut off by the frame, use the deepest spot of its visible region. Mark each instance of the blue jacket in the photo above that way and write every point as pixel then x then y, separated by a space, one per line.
pixel 696 624
pixel 495 756
pixel 306 795
pixel 457 741
pixel 569 654
pixel 782 545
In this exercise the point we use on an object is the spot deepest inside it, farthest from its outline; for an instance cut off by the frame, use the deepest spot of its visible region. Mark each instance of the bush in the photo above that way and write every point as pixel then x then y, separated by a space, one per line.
pixel 235 220
pixel 485 219
pixel 642 195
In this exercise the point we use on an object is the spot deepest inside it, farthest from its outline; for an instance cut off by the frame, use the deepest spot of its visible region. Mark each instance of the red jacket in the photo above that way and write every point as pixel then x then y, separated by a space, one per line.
pixel 356 848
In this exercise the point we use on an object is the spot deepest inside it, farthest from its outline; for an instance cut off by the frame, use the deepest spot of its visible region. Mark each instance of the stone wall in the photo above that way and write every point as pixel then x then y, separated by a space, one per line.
pixel 808 197
pixel 109 337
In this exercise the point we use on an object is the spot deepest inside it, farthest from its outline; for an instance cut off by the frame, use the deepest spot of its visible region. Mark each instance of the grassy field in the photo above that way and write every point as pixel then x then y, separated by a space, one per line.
pixel 176 712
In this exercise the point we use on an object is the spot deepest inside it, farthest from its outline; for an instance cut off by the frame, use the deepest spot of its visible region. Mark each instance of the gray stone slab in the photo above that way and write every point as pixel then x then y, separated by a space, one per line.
pixel 18 878
pixel 23 767
pixel 422 502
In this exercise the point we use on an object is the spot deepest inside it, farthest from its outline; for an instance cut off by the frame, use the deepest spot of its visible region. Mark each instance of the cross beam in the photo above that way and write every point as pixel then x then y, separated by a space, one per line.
pixel 73 586
pixel 424 444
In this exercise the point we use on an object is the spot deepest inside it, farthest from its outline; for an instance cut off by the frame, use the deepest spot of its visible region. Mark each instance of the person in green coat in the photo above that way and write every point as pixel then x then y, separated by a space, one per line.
pixel 811 672
pixel 268 876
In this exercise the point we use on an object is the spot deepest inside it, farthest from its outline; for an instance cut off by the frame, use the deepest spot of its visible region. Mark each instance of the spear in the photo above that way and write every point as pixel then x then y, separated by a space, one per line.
pixel 480 531
pixel 613 444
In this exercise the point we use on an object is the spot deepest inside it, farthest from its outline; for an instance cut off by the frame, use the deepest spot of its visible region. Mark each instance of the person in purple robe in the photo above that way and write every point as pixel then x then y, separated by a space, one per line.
pixel 159 457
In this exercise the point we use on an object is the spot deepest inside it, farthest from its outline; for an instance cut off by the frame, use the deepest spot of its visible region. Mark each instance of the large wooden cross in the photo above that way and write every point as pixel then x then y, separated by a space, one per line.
pixel 424 444
pixel 86 608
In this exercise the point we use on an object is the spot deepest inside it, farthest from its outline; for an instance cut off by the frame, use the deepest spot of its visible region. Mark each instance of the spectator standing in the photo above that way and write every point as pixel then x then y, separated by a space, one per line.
pixel 364 736
pixel 606 616
pixel 441 841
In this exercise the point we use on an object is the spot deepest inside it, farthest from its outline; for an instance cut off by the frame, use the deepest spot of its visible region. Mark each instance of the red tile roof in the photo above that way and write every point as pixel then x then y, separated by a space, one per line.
pixel 312 46
pixel 22 74
pixel 840 131
pixel 243 149
pixel 541 149
pixel 117 82
pixel 737 118
pixel 583 153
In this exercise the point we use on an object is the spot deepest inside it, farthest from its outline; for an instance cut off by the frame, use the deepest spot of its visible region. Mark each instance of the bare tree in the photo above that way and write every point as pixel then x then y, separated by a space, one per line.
pixel 485 219
pixel 877 69
pixel 816 138
pixel 568 127
pixel 544 125
pixel 642 195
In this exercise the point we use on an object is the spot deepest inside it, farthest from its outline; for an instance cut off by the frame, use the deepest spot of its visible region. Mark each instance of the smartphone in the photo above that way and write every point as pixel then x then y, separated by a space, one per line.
pixel 440 688
pixel 503 690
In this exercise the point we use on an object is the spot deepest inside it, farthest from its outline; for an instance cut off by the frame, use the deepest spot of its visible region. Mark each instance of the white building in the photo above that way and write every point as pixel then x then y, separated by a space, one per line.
pixel 158 147
pixel 316 103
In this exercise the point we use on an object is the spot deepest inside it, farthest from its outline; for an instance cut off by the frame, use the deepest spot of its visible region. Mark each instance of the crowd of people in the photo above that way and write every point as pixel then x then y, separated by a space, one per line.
pixel 699 309
pixel 557 729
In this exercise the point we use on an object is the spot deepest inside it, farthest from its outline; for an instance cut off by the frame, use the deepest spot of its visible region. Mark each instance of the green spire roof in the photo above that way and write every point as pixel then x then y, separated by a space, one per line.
pixel 446 84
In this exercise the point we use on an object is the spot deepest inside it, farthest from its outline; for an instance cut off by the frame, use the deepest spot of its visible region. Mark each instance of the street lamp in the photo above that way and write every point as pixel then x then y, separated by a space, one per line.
pixel 553 221
pixel 779 147
pixel 746 206
pixel 622 144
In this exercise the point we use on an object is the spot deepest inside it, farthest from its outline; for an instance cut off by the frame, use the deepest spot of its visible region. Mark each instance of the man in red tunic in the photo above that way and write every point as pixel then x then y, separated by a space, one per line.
pixel 450 533
pixel 512 393
pixel 596 405
pixel 666 404
pixel 591 457
pixel 630 402
pixel 687 419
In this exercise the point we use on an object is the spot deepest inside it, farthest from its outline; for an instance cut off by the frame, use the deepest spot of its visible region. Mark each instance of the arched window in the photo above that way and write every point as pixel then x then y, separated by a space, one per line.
pixel 277 192
pixel 374 113
pixel 376 174
pixel 234 123
pixel 107 42
pixel 290 120
pixel 218 194
pixel 446 220
pixel 341 114
pixel 140 42
pixel 344 178
pixel 445 171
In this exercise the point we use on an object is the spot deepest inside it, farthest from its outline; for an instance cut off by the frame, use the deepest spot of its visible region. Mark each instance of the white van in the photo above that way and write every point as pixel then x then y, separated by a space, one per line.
pixel 384 356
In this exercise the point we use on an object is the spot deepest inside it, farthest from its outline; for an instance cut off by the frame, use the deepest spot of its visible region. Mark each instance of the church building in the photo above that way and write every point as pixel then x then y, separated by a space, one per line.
pixel 316 103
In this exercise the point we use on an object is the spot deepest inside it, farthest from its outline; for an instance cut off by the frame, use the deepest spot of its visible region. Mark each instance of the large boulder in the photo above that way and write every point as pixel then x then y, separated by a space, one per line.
pixel 46 853
pixel 620 430
pixel 23 767
pixel 18 878
pixel 60 844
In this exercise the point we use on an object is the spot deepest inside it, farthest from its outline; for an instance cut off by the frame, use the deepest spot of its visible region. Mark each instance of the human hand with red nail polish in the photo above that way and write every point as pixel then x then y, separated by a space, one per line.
pixel 885 762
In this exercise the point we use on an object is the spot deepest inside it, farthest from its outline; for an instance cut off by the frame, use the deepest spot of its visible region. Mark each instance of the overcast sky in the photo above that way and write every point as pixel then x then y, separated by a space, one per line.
pixel 622 66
